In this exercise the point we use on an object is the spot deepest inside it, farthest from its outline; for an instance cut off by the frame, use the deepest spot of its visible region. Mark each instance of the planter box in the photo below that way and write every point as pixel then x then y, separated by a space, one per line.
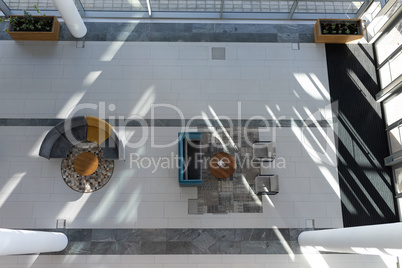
pixel 337 38
pixel 53 35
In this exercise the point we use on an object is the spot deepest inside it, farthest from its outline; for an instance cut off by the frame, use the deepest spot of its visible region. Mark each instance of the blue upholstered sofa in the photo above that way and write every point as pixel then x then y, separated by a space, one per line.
pixel 190 159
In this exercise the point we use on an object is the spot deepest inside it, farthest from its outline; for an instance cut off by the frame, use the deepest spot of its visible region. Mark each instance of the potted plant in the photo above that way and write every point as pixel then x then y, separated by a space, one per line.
pixel 29 27
pixel 338 31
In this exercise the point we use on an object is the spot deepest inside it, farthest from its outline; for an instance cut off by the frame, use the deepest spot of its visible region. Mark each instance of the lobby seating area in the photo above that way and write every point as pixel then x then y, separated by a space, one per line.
pixel 132 211
pixel 70 132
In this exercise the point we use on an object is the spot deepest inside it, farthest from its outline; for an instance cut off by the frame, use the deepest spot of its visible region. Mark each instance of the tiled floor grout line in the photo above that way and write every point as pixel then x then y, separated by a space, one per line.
pixel 45 122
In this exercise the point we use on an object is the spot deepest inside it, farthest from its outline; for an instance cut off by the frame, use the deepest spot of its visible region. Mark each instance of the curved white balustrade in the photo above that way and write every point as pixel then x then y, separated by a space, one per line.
pixel 382 239
pixel 28 242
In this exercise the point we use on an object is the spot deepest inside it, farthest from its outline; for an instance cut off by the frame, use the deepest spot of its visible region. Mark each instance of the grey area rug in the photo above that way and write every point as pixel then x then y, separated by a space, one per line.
pixel 235 193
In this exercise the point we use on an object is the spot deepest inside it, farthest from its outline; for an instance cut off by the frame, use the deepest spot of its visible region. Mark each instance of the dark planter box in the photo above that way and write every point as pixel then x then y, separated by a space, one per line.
pixel 53 35
pixel 337 38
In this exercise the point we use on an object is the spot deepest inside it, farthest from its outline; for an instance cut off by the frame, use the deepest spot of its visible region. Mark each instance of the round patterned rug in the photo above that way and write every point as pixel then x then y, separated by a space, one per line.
pixel 92 182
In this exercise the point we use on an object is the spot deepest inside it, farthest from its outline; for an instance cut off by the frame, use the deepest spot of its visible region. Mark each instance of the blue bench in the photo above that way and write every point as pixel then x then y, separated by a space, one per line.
pixel 190 159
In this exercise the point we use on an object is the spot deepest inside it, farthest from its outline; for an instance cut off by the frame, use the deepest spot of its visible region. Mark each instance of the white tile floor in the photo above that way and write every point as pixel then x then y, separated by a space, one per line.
pixel 198 261
pixel 47 80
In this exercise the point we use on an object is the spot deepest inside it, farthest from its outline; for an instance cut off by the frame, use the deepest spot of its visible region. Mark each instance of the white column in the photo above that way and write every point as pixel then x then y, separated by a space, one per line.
pixel 71 17
pixel 373 239
pixel 28 242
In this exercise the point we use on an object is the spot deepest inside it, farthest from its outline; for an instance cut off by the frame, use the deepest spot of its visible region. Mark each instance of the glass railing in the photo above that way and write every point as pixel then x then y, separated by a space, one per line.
pixel 114 5
pixel 186 5
pixel 260 6
pixel 29 5
pixel 328 7
pixel 242 9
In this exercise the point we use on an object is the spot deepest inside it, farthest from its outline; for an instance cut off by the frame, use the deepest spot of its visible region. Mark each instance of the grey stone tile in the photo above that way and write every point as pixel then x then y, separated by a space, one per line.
pixel 184 27
pixel 306 38
pixel 198 37
pixel 128 37
pixel 187 32
pixel 153 235
pixel 163 27
pixel 245 28
pixel 222 37
pixel 250 234
pixel 295 232
pixel 183 241
pixel 79 234
pixel 182 234
pixel 254 247
pixel 99 37
pixel 266 28
pixel 106 248
pixel 130 235
pixel 153 247
pixel 203 242
pixel 128 248
pixel 78 248
pixel 246 37
pixel 226 247
pixel 179 247
pixel 65 34
pixel 293 28
pixel 41 122
pixel 203 27
pixel 288 37
pixel 276 247
pixel 142 27
pixel 167 37
pixel 224 28
pixel 268 38
pixel 104 235
pixel 223 234
pixel 295 247
pixel 17 122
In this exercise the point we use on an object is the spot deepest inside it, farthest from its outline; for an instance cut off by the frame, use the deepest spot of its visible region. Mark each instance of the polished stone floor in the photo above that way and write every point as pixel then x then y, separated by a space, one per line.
pixel 181 241
pixel 189 32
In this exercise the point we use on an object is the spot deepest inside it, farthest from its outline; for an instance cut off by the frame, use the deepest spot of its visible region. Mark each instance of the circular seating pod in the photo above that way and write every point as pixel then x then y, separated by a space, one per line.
pixel 85 169
pixel 68 133
pixel 88 146
pixel 63 136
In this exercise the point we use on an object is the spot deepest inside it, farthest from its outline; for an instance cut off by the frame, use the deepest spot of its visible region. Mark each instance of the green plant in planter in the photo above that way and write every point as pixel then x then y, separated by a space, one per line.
pixel 29 23
pixel 339 28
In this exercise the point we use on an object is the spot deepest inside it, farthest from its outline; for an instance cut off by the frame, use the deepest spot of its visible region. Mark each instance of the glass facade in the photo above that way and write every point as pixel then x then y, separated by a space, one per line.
pixel 388 50
pixel 236 9
pixel 388 43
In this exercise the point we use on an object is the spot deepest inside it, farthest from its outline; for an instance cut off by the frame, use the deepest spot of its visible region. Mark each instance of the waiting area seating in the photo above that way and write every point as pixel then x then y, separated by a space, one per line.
pixel 264 151
pixel 190 159
pixel 70 132
pixel 266 184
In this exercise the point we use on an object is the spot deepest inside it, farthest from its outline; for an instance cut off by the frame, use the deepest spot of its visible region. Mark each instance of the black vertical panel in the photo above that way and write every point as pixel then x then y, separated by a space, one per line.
pixel 367 191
